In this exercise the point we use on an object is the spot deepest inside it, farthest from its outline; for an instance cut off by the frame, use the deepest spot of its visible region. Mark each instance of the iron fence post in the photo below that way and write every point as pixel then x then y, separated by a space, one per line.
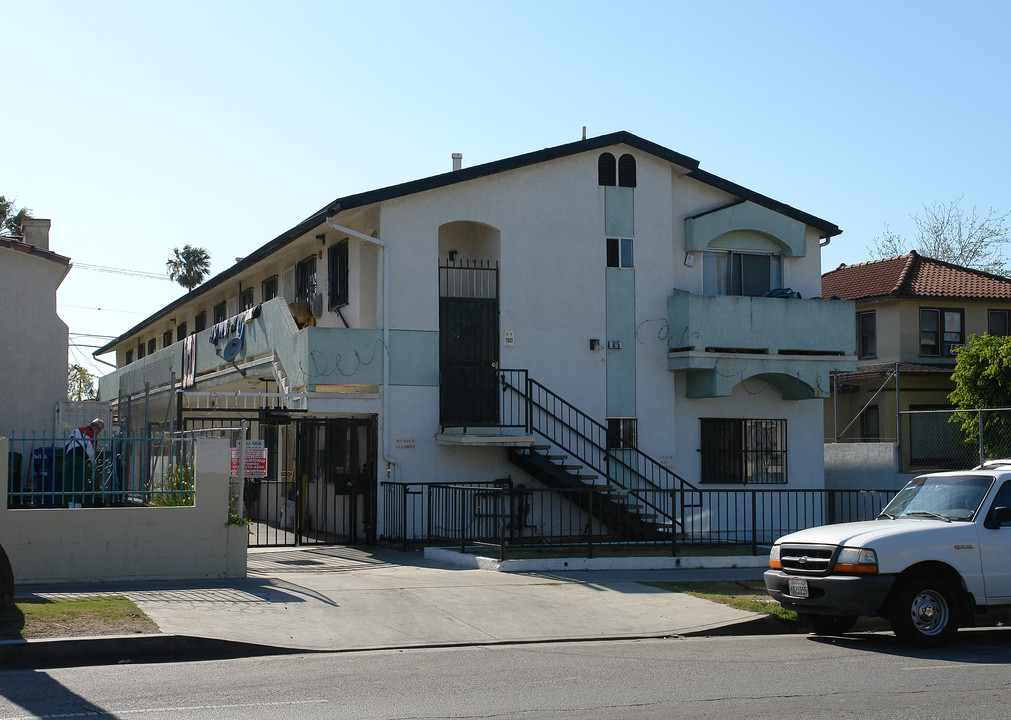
pixel 501 524
pixel 463 542
pixel 754 523
pixel 673 528
pixel 403 517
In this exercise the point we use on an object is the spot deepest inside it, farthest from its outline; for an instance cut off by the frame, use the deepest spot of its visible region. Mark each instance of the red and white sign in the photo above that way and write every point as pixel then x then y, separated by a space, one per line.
pixel 256 460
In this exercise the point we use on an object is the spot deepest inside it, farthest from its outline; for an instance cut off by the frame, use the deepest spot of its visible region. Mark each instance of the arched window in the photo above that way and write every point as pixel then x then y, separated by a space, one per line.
pixel 626 171
pixel 606 170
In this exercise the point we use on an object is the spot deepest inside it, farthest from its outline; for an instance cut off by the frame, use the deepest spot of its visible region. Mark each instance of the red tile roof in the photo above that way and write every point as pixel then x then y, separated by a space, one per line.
pixel 913 276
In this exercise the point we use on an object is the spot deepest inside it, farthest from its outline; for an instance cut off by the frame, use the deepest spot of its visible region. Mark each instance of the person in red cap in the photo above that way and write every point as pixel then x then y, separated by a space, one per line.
pixel 79 459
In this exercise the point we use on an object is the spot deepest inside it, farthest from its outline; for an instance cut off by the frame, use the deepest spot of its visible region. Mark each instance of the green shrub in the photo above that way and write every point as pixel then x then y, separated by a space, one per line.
pixel 176 489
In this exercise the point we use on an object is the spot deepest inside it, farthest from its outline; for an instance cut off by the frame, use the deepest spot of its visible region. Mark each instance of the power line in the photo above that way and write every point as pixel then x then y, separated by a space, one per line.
pixel 86 307
pixel 93 335
pixel 121 271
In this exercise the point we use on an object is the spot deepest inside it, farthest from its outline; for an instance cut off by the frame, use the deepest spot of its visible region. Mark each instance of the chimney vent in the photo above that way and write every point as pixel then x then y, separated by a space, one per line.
pixel 35 232
pixel 457 161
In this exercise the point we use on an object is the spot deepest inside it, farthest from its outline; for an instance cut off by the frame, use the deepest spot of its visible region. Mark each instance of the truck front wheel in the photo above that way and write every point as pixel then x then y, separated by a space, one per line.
pixel 924 612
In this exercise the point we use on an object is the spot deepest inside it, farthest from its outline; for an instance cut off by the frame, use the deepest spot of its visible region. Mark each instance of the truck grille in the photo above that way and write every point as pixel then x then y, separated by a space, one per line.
pixel 806 559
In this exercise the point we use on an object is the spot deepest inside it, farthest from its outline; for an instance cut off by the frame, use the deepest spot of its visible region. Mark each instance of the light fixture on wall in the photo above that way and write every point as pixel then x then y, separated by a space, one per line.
pixel 594 344
pixel 690 259
pixel 452 256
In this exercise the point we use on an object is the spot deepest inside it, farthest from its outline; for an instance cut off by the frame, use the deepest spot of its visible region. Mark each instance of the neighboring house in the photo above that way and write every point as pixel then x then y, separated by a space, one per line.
pixel 605 293
pixel 912 312
pixel 34 350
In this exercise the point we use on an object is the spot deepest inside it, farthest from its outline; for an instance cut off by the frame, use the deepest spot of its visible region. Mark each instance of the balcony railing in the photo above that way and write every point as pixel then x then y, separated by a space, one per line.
pixel 792 343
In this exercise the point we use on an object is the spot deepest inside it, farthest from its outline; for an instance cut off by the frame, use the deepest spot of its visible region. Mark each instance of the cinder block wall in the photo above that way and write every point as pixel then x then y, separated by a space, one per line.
pixel 62 545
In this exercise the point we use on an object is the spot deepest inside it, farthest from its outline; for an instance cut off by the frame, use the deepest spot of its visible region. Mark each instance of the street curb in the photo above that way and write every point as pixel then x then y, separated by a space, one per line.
pixel 116 649
pixel 126 649
pixel 478 562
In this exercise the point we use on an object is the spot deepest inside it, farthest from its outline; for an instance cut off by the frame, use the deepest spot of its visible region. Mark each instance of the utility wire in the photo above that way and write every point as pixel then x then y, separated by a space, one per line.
pixel 121 271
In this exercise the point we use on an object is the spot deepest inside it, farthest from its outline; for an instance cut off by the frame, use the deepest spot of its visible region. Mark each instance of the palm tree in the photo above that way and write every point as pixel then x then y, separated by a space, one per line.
pixel 188 266
pixel 11 217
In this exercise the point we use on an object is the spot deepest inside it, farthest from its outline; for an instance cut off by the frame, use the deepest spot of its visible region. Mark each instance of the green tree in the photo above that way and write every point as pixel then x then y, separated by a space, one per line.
pixel 11 217
pixel 189 266
pixel 982 380
pixel 948 232
pixel 81 384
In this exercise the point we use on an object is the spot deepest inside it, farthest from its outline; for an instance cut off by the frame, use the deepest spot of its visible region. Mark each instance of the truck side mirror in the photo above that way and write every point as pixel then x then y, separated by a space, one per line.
pixel 997 517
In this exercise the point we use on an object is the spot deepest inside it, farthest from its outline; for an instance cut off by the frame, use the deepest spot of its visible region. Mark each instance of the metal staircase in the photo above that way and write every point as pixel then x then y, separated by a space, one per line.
pixel 629 489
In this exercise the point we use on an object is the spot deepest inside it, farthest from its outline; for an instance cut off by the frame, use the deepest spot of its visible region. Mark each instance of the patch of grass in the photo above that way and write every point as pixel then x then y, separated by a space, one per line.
pixel 748 595
pixel 62 617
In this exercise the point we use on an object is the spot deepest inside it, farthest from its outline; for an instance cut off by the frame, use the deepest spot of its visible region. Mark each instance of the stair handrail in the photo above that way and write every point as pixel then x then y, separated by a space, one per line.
pixel 645 465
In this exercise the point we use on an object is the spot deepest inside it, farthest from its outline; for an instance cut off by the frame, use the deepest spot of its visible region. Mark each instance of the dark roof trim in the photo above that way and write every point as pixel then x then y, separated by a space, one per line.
pixel 15 243
pixel 827 229
pixel 478 171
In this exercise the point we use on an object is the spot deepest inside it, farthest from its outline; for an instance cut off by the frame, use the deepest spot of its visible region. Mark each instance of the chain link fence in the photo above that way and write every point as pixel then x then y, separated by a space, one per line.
pixel 954 439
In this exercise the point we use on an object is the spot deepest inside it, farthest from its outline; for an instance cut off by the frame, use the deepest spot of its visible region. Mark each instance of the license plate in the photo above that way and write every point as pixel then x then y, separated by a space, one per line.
pixel 798 587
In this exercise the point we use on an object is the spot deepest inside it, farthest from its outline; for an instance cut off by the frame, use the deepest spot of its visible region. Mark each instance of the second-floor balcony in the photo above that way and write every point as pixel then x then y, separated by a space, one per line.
pixel 306 360
pixel 719 341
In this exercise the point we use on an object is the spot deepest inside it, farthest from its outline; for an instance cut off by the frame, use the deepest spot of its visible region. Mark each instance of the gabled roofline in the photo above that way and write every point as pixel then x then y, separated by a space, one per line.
pixel 472 173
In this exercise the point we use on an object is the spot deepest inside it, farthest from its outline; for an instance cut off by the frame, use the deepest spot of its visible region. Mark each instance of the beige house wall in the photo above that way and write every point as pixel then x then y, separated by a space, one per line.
pixel 59 545
pixel 34 351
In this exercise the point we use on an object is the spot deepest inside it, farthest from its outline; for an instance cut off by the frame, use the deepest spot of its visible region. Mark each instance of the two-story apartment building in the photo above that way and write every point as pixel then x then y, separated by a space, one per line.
pixel 444 329
pixel 912 313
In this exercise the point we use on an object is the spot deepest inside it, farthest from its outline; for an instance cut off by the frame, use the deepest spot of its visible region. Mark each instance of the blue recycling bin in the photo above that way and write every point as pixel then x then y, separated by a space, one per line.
pixel 47 464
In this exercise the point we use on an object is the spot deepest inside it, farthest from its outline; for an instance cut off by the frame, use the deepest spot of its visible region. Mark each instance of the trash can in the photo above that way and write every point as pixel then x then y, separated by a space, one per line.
pixel 47 466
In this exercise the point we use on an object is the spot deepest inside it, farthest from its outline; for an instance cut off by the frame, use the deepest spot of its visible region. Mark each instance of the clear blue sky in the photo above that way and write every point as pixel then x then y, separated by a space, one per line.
pixel 138 126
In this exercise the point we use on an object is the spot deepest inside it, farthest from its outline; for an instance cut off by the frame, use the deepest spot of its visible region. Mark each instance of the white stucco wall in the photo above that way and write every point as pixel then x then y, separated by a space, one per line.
pixel 63 545
pixel 552 298
pixel 863 466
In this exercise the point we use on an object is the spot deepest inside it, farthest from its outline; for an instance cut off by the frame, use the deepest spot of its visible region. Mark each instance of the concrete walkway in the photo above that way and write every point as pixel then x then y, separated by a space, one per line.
pixel 346 599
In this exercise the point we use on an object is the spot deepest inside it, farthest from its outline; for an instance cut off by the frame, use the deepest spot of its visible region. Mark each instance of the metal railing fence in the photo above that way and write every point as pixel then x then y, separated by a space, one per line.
pixel 54 472
pixel 512 517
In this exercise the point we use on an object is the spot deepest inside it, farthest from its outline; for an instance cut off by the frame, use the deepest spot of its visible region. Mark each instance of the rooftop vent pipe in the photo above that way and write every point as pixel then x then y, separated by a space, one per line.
pixel 457 161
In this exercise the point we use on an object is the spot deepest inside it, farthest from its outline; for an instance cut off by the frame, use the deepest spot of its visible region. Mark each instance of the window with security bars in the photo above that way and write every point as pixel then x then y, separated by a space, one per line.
pixel 743 451
pixel 268 288
pixel 622 433
pixel 305 279
pixel 337 261
pixel 246 299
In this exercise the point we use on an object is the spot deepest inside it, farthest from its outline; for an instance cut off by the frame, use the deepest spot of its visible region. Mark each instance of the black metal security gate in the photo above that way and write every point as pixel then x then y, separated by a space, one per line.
pixel 468 345
pixel 321 481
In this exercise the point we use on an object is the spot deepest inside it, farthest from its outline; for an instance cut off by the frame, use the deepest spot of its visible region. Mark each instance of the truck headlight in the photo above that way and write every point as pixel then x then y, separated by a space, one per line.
pixel 774 562
pixel 857 560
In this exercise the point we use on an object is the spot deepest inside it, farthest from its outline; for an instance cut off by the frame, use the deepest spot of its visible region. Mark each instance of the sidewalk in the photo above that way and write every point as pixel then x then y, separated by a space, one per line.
pixel 332 599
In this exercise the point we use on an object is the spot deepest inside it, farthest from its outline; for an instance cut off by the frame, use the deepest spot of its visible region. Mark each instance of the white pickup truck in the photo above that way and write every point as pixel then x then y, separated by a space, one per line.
pixel 937 555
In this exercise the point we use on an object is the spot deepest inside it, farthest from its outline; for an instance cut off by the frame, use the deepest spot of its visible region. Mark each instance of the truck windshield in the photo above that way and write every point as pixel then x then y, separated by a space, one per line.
pixel 944 498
